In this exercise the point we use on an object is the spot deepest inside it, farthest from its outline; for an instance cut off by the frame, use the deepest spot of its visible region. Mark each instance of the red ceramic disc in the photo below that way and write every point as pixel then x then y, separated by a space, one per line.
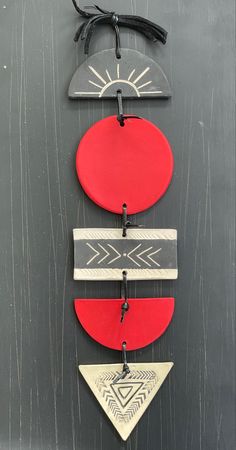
pixel 132 164
pixel 145 321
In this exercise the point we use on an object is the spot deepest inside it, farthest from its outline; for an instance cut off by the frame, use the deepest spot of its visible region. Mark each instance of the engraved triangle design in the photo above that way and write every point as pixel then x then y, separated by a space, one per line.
pixel 125 401
pixel 125 391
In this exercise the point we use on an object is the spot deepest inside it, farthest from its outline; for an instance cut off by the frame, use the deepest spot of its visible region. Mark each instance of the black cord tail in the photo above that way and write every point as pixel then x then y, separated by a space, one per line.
pixel 149 29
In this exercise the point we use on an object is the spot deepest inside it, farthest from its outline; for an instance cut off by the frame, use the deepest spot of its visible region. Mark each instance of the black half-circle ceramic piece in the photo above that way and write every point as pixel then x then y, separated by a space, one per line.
pixel 135 74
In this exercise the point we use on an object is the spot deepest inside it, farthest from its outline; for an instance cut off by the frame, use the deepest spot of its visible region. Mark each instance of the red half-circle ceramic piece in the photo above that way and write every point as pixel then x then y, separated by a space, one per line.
pixel 145 321
pixel 130 165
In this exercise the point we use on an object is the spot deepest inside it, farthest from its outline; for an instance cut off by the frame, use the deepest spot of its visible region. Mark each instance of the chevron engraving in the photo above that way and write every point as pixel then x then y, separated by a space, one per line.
pixel 138 392
pixel 110 252
pixel 138 255
pixel 103 254
pixel 126 400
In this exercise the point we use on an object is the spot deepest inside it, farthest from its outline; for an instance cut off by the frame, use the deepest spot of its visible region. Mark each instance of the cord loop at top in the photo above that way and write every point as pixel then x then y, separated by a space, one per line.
pixel 149 29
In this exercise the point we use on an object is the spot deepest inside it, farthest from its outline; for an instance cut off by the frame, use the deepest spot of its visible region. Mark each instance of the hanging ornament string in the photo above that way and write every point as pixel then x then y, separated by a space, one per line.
pixel 125 369
pixel 152 31
pixel 125 305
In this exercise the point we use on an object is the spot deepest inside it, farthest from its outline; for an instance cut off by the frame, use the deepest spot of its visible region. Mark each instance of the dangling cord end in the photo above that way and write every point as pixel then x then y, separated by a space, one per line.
pixel 114 22
pixel 126 369
pixel 126 223
pixel 124 295
pixel 121 117
pixel 100 16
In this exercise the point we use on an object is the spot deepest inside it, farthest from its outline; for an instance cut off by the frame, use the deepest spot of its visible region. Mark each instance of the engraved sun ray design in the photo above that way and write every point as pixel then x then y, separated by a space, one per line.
pixel 95 84
pixel 135 74
pixel 131 74
pixel 104 81
pixel 145 84
pixel 97 74
pixel 109 76
pixel 141 75
pixel 118 70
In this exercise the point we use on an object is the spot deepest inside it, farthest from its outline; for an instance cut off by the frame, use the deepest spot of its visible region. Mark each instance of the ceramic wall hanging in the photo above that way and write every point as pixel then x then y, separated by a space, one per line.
pixel 124 164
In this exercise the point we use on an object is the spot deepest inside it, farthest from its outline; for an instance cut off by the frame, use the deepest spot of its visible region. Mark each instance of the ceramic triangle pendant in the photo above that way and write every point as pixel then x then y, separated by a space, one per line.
pixel 126 400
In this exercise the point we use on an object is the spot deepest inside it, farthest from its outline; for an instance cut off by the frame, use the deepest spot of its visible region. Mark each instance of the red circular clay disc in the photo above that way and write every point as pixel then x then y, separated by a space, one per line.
pixel 146 320
pixel 130 165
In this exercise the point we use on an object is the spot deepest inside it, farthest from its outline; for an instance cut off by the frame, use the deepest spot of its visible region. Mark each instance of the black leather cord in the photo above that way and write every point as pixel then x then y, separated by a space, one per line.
pixel 152 31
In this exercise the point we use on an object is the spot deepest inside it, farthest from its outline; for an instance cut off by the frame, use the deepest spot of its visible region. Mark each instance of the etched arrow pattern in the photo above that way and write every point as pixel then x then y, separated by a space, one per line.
pixel 109 254
pixel 142 255
pixel 104 252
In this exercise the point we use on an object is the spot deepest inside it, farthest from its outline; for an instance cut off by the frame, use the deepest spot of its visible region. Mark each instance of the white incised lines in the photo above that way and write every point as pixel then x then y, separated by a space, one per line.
pixel 107 253
pixel 130 253
pixel 106 84
pixel 151 254
pixel 118 254
pixel 97 74
pixel 142 253
pixel 131 74
pixel 109 76
pixel 141 256
pixel 96 253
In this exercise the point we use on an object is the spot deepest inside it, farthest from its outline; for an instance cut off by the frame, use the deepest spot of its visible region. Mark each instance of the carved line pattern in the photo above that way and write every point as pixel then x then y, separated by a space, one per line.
pixel 149 234
pixel 100 274
pixel 149 378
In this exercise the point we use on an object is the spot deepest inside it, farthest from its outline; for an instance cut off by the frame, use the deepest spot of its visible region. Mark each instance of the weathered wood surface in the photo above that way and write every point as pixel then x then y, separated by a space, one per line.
pixel 45 405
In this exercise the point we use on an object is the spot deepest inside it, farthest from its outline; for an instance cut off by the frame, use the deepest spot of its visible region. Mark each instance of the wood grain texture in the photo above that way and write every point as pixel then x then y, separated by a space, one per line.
pixel 45 405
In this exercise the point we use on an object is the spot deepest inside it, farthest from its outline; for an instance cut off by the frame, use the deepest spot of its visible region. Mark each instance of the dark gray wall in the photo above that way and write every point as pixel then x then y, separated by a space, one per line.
pixel 44 404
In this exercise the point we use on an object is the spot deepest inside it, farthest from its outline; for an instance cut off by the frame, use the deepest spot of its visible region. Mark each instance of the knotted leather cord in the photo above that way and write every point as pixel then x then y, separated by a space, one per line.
pixel 126 369
pixel 152 31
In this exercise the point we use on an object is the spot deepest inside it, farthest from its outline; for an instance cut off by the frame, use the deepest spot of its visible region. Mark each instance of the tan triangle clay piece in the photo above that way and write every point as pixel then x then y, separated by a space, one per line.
pixel 125 402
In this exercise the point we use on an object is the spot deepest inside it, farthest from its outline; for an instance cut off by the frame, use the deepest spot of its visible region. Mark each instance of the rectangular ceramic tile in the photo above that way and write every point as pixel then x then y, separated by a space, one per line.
pixel 103 254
